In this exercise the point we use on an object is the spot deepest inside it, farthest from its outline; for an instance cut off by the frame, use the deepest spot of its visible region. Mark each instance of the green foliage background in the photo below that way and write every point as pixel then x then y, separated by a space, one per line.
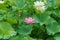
pixel 46 26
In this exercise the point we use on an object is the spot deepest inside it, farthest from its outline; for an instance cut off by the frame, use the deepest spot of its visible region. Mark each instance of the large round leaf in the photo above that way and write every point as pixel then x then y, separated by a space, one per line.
pixel 6 30
pixel 42 18
pixel 52 27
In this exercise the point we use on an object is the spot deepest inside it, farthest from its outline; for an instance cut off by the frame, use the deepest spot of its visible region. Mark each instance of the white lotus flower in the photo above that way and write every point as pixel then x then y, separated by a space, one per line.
pixel 39 6
pixel 1 2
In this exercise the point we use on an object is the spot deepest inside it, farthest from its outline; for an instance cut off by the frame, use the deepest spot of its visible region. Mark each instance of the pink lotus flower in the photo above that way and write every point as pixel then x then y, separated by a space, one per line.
pixel 29 20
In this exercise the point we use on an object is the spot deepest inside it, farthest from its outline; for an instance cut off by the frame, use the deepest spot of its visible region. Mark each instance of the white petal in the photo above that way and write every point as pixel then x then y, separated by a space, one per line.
pixel 1 2
pixel 36 3
pixel 42 3
pixel 39 6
